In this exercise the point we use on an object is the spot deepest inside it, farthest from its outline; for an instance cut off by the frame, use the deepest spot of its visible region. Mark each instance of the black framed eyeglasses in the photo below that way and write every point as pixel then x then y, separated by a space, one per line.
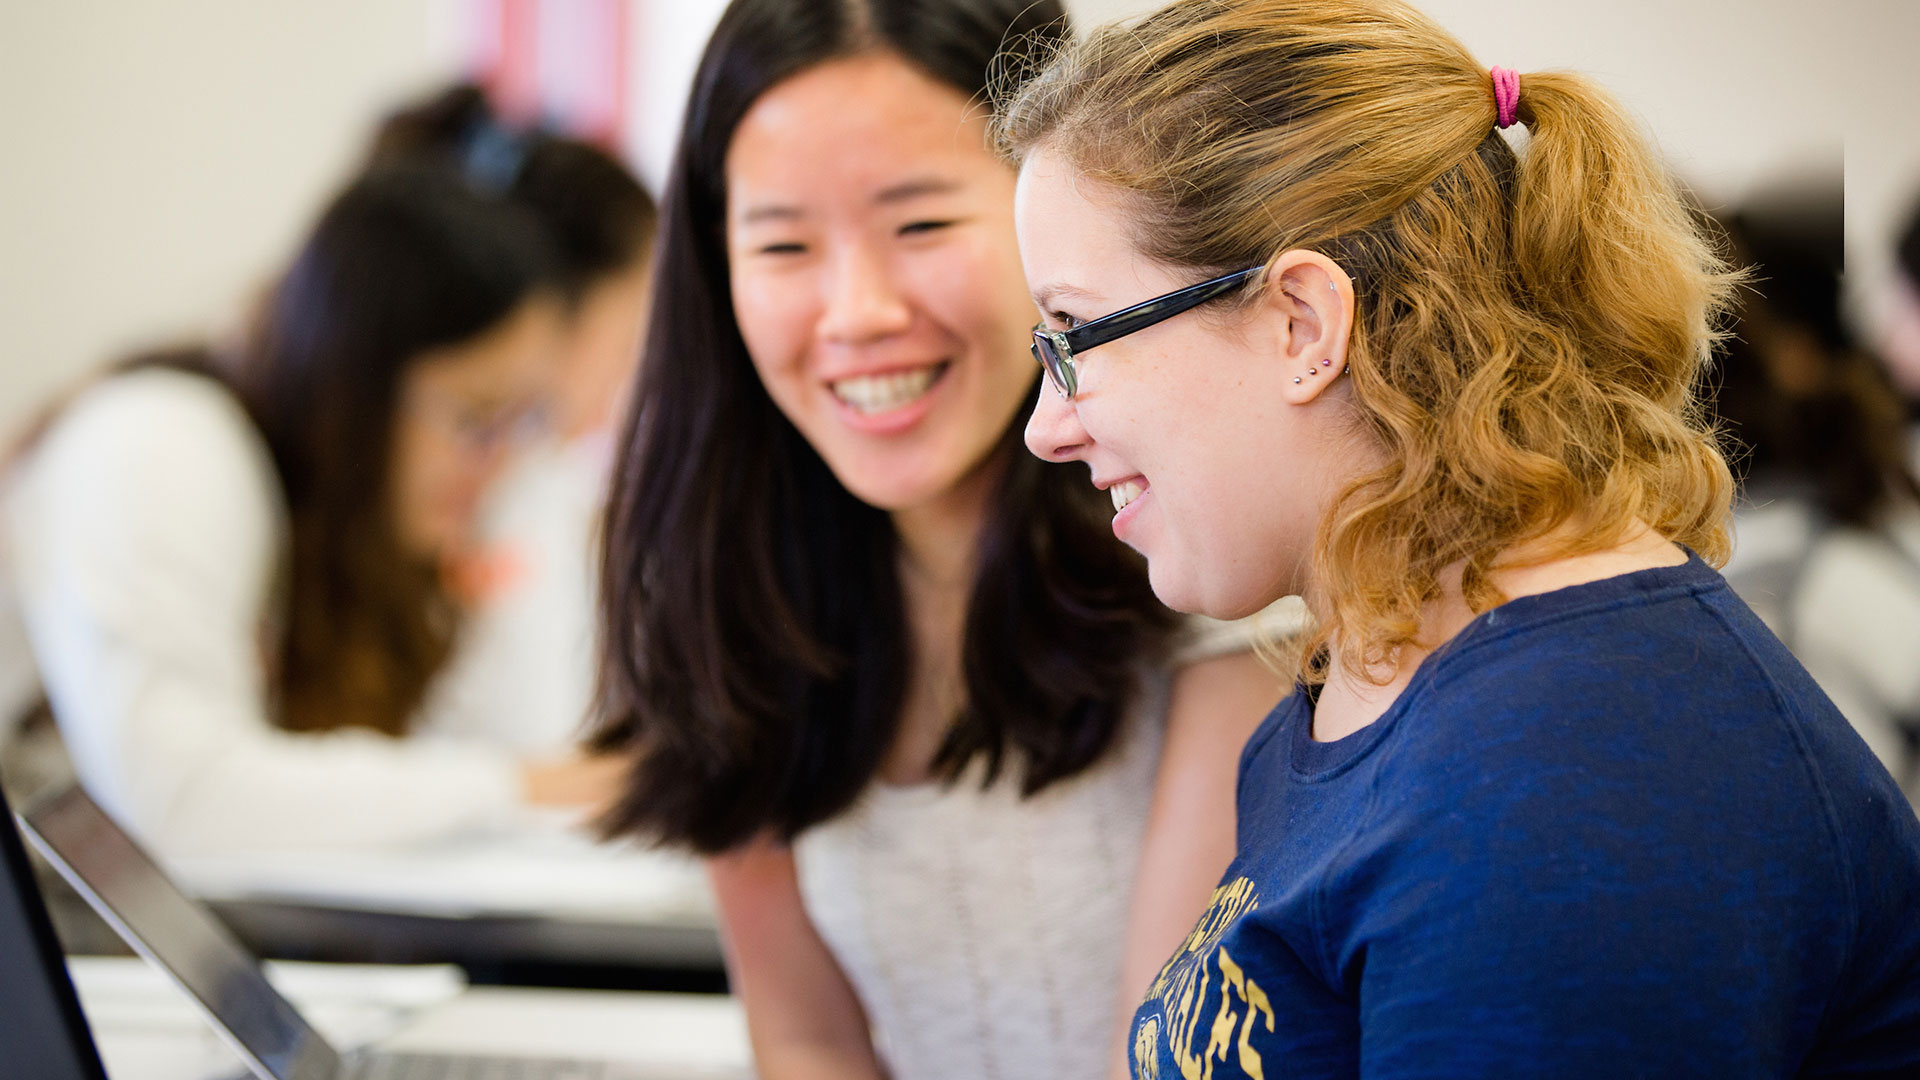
pixel 1055 349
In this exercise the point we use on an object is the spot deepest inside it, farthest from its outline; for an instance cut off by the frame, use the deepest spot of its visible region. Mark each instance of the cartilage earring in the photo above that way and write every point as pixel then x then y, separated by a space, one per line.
pixel 1327 362
pixel 1296 378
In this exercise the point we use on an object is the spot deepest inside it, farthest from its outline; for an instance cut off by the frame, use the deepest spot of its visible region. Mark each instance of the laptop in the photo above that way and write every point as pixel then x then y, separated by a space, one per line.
pixel 41 1025
pixel 184 939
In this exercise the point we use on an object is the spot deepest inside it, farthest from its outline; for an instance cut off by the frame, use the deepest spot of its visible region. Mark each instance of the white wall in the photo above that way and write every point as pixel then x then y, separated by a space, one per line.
pixel 157 160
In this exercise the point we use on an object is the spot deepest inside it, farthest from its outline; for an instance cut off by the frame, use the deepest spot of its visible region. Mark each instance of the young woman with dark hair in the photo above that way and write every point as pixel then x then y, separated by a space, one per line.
pixel 895 676
pixel 1899 340
pixel 525 670
pixel 230 559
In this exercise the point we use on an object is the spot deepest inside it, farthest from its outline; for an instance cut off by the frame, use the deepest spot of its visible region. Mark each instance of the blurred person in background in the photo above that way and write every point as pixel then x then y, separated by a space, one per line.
pixel 1900 343
pixel 1827 534
pixel 961 787
pixel 524 669
pixel 231 560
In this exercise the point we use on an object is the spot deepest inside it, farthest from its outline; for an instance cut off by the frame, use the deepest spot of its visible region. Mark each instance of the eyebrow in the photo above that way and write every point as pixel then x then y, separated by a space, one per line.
pixel 1056 291
pixel 756 214
pixel 916 188
pixel 906 191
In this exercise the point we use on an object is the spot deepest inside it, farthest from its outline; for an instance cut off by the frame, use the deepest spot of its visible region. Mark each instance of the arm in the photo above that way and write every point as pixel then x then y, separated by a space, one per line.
pixel 803 1017
pixel 149 540
pixel 1215 706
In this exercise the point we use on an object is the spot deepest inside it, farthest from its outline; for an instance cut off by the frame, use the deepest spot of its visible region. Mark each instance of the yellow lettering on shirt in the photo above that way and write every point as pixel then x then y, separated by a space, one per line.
pixel 1146 1050
pixel 1183 991
pixel 1255 999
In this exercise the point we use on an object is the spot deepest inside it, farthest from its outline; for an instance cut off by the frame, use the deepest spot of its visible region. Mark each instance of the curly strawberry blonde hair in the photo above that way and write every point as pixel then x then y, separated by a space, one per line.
pixel 1530 326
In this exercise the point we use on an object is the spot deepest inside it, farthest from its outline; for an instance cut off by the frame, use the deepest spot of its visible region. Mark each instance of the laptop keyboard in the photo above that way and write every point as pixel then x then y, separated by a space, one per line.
pixel 440 1067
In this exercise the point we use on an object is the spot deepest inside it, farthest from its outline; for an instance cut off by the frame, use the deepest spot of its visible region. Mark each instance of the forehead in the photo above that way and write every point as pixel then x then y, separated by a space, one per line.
pixel 1073 231
pixel 851 126
pixel 503 360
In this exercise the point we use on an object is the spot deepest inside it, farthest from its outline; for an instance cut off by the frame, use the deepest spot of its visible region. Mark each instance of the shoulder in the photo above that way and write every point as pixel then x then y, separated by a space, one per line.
pixel 173 414
pixel 1678 693
pixel 1674 642
pixel 165 456
pixel 1622 732
pixel 157 433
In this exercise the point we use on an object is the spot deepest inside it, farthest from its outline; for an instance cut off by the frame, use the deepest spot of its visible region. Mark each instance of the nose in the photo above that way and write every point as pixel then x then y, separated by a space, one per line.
pixel 1053 431
pixel 863 303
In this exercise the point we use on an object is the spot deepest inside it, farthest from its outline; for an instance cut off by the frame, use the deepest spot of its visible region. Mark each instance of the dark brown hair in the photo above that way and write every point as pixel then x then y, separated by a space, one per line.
pixel 755 639
pixel 598 216
pixel 1807 407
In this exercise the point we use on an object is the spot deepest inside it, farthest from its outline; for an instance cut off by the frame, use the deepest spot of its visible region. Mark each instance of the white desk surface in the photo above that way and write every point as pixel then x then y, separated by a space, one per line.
pixel 149 1030
pixel 545 866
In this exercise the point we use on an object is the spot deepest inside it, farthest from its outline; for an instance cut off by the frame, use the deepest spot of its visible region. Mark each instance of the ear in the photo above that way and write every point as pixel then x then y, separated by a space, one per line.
pixel 1310 302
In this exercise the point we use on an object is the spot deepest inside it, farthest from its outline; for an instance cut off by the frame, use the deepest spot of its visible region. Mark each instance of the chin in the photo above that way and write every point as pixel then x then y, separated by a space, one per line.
pixel 891 493
pixel 1175 589
pixel 1192 595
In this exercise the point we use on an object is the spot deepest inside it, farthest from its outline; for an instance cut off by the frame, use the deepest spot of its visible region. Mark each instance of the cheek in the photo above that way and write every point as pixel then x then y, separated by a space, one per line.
pixel 411 468
pixel 973 289
pixel 1213 447
pixel 776 318
pixel 415 477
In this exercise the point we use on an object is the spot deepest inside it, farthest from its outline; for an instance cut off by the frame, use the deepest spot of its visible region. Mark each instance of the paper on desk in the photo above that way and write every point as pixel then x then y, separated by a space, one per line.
pixel 543 871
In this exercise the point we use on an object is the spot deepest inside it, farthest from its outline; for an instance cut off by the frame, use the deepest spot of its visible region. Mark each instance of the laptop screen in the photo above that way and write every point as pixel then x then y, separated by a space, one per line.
pixel 41 1026
pixel 180 935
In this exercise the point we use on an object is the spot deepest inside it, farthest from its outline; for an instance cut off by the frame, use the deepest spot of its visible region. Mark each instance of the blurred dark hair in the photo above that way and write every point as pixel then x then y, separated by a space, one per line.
pixel 755 643
pixel 600 218
pixel 1907 251
pixel 1808 406
pixel 404 261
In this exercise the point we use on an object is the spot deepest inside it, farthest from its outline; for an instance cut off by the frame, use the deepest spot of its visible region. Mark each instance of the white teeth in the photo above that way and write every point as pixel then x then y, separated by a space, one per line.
pixel 870 394
pixel 1125 492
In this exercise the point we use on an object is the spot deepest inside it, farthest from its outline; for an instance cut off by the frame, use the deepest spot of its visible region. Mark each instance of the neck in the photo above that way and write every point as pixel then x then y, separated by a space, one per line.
pixel 940 538
pixel 939 548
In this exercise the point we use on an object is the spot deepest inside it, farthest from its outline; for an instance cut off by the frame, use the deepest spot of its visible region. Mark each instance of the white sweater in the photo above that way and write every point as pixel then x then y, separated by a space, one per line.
pixel 147 534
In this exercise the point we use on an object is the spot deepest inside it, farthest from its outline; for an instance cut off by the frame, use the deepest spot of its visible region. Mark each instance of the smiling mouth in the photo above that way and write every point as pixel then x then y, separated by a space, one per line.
pixel 1125 492
pixel 870 395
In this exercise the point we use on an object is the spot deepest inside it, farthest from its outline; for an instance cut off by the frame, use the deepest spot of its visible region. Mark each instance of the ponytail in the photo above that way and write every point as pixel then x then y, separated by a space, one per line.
pixel 1604 244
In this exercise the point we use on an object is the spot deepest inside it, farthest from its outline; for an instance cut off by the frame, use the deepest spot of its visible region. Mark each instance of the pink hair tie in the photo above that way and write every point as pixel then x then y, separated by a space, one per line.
pixel 1506 95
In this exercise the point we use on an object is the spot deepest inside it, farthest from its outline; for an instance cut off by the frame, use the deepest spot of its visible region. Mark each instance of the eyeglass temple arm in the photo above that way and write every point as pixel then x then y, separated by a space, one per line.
pixel 1127 320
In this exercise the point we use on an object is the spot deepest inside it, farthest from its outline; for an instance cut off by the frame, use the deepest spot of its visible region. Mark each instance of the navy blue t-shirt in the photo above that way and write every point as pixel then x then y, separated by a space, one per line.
pixel 1609 831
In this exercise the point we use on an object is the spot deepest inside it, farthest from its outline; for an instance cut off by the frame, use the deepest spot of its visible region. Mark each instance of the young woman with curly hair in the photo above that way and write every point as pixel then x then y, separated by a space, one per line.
pixel 1549 799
